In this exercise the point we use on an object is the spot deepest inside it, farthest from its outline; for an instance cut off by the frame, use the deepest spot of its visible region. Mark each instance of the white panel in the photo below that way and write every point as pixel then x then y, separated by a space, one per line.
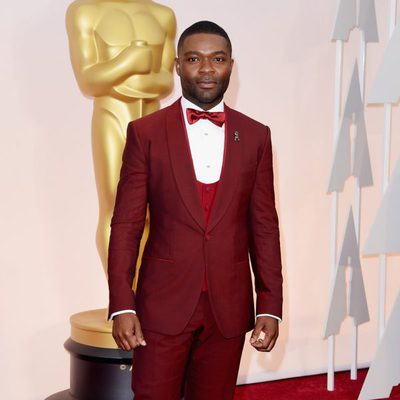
pixel 384 372
pixel 384 236
pixel 386 87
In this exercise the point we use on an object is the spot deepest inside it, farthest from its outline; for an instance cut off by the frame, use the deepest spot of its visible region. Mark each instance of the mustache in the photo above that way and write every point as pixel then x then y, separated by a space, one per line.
pixel 207 80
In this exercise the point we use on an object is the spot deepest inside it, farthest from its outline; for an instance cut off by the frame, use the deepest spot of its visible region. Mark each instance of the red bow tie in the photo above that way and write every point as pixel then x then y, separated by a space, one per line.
pixel 218 118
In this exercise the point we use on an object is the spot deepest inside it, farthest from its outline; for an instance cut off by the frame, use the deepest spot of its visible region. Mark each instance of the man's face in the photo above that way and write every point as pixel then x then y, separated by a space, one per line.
pixel 204 65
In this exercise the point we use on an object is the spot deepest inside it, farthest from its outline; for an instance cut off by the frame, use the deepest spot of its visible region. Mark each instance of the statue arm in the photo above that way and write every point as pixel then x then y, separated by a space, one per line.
pixel 167 64
pixel 161 82
pixel 98 78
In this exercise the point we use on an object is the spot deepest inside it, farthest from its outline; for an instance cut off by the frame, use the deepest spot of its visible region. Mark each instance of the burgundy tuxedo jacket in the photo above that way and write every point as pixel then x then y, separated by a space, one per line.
pixel 157 171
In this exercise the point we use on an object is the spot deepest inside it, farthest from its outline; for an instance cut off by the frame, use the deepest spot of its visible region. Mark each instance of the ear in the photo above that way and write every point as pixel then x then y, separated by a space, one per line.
pixel 177 66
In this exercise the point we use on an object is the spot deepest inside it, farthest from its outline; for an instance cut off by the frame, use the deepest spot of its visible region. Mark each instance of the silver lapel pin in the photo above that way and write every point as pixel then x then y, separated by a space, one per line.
pixel 236 136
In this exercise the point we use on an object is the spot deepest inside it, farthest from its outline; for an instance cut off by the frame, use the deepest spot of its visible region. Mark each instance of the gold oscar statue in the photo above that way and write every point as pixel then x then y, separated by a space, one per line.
pixel 122 54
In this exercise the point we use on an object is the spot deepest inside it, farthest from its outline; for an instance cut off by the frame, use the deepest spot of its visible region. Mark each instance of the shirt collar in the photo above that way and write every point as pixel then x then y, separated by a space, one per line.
pixel 185 103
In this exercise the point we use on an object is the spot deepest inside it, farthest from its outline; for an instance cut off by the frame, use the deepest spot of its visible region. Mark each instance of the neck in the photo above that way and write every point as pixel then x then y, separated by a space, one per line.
pixel 203 106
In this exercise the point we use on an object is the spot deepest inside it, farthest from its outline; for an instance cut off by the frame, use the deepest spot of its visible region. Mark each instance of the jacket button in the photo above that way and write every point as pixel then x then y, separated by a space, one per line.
pixel 207 236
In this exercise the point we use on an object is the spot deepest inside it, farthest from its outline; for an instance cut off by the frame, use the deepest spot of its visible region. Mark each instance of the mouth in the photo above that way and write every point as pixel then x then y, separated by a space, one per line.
pixel 206 84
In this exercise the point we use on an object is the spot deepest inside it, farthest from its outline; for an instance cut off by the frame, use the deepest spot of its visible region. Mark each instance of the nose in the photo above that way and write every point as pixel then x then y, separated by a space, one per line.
pixel 206 66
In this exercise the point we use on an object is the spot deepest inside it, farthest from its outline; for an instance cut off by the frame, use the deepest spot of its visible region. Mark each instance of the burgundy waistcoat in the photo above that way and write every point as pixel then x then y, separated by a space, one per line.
pixel 207 192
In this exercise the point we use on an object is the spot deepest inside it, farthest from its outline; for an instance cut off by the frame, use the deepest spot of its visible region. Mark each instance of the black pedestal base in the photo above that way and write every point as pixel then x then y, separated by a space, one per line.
pixel 97 374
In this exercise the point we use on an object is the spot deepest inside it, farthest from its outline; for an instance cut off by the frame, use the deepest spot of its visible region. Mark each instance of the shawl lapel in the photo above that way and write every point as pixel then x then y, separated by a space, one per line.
pixel 230 171
pixel 182 165
pixel 183 169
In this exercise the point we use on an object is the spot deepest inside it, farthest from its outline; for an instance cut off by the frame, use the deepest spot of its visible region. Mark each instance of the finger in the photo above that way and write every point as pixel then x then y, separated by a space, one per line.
pixel 117 339
pixel 271 344
pixel 118 342
pixel 268 336
pixel 122 343
pixel 139 334
pixel 126 345
pixel 271 335
pixel 131 340
pixel 255 335
pixel 257 344
pixel 268 343
pixel 261 344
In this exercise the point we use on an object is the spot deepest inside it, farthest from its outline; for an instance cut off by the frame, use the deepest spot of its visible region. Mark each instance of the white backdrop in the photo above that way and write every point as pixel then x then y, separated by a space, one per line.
pixel 49 268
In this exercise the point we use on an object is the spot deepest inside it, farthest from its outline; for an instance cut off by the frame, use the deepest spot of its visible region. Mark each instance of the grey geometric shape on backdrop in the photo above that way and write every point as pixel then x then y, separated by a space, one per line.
pixel 362 163
pixel 386 86
pixel 349 252
pixel 337 304
pixel 358 306
pixel 384 236
pixel 384 372
pixel 354 105
pixel 367 20
pixel 346 19
pixel 341 167
pixel 350 256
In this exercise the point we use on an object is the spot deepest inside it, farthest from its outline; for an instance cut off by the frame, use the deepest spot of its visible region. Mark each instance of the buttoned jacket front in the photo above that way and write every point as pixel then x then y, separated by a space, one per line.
pixel 157 172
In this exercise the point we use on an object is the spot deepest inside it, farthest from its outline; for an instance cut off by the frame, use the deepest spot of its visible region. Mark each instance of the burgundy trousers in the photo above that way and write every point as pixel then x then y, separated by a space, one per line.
pixel 199 362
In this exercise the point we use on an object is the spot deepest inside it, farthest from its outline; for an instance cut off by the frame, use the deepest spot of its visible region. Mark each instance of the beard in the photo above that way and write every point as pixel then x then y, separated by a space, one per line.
pixel 199 96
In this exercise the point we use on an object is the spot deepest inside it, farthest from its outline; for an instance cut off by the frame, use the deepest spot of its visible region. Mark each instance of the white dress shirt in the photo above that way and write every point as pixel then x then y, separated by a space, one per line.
pixel 206 143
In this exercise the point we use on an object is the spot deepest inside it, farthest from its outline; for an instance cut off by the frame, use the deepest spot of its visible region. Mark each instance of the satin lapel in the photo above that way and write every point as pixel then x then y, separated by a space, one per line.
pixel 230 171
pixel 182 164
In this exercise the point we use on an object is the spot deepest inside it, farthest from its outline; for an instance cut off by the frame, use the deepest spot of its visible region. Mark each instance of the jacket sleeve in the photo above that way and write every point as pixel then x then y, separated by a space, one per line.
pixel 264 241
pixel 127 224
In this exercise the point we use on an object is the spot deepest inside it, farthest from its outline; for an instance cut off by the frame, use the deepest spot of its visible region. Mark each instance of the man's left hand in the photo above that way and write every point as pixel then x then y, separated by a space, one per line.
pixel 269 326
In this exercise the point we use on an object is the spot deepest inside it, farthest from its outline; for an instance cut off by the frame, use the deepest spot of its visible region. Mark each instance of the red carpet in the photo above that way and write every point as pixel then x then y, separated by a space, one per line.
pixel 307 388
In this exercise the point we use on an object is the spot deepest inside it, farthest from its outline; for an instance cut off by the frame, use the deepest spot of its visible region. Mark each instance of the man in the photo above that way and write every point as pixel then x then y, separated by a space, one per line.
pixel 205 171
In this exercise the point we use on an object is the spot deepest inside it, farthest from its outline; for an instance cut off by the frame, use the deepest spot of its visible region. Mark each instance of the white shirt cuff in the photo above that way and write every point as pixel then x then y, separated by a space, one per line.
pixel 114 314
pixel 269 315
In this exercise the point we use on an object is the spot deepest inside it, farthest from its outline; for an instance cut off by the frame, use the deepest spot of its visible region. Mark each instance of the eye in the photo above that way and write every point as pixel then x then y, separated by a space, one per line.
pixel 219 59
pixel 193 59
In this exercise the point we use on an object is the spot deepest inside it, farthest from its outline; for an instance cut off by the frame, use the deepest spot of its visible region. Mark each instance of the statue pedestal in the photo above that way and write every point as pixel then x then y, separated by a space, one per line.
pixel 98 369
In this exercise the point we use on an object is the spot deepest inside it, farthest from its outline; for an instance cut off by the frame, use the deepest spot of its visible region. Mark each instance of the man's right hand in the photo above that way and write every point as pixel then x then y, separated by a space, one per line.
pixel 127 332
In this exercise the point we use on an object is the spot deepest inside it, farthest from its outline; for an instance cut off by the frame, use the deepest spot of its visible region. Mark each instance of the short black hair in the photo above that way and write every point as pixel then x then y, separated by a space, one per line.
pixel 205 27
